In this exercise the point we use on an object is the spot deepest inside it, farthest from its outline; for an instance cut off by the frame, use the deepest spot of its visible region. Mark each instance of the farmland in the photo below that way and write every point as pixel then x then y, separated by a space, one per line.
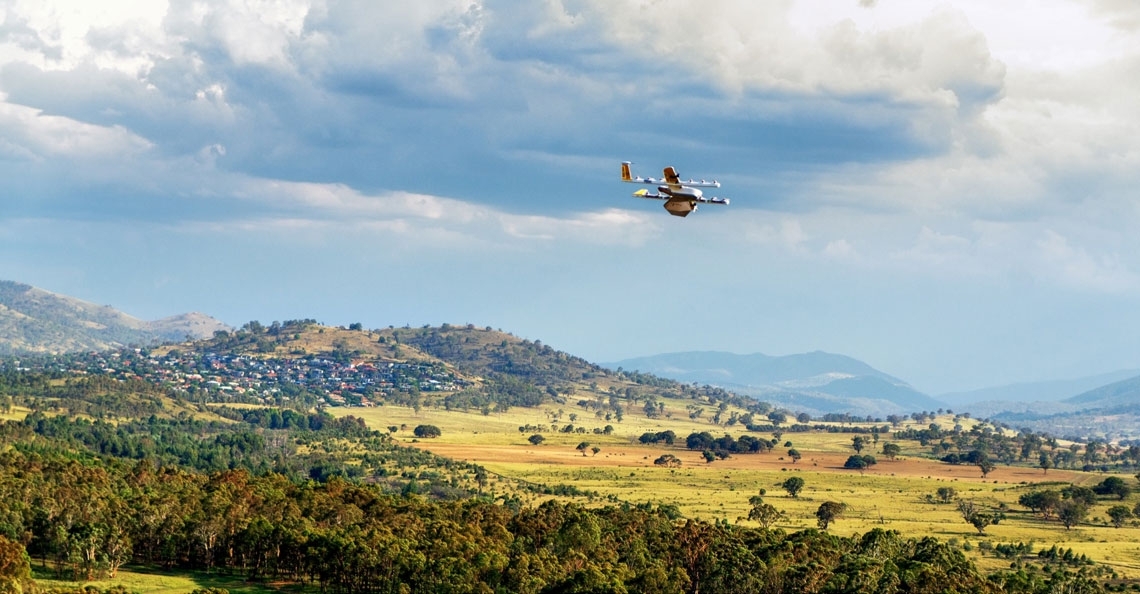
pixel 893 494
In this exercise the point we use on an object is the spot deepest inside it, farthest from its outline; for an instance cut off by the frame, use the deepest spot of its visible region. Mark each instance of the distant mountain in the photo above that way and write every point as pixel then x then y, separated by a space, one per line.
pixel 1045 391
pixel 1124 393
pixel 1111 412
pixel 815 382
pixel 37 321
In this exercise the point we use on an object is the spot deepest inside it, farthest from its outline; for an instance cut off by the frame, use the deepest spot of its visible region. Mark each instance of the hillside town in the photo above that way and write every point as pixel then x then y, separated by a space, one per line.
pixel 221 377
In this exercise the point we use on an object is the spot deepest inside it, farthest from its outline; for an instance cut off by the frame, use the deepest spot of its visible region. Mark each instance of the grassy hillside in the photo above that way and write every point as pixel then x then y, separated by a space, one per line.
pixel 36 321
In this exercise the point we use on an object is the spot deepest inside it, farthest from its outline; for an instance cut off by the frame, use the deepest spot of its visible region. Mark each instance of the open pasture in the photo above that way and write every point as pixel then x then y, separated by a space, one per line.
pixel 894 494
pixel 154 581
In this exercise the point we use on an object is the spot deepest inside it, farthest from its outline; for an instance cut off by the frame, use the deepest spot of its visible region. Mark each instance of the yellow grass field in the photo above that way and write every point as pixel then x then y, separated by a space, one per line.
pixel 892 494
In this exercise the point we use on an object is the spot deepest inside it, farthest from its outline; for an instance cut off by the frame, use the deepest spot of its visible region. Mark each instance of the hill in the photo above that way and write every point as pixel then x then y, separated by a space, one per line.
pixel 815 382
pixel 1109 412
pixel 1031 392
pixel 33 320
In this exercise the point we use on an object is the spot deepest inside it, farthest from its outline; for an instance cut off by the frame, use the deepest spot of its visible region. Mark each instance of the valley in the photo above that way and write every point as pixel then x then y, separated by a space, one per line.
pixel 438 416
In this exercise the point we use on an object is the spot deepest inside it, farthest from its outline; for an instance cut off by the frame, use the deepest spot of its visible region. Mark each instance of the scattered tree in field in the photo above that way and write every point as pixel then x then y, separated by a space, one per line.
pixel 946 494
pixel 858 443
pixel 536 439
pixel 793 486
pixel 1045 463
pixel 595 450
pixel 668 461
pixel 974 515
pixel 1113 485
pixel 582 447
pixel 709 456
pixel 828 512
pixel 986 465
pixel 1041 502
pixel 891 450
pixel 795 455
pixel 1119 513
pixel 1084 495
pixel 1072 512
pixel 427 431
pixel 764 513
pixel 860 463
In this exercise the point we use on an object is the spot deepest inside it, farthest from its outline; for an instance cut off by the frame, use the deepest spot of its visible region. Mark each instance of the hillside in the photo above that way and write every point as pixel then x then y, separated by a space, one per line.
pixel 37 321
pixel 1109 412
pixel 992 398
pixel 814 382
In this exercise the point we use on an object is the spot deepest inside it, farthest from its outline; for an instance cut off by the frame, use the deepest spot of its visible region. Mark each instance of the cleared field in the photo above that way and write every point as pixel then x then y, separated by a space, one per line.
pixel 894 494
pixel 17 413
pixel 151 581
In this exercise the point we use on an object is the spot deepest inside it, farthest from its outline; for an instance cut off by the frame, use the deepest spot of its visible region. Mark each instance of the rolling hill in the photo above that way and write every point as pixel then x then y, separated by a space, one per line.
pixel 815 382
pixel 33 320
pixel 1109 412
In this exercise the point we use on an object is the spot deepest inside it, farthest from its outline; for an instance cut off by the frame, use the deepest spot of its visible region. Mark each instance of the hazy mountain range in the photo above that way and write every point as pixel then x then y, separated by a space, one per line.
pixel 1105 406
pixel 815 382
pixel 37 321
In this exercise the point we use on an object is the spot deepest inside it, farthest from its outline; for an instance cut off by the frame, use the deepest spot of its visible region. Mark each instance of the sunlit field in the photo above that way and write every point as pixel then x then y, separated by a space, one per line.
pixel 153 581
pixel 894 494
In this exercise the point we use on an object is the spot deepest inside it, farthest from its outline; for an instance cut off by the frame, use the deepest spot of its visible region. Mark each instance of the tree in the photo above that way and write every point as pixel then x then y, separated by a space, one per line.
pixel 595 450
pixel 860 463
pixel 764 513
pixel 777 417
pixel 15 567
pixel 986 465
pixel 890 450
pixel 946 494
pixel 1042 502
pixel 582 447
pixel 709 456
pixel 828 512
pixel 1119 513
pixel 1113 485
pixel 427 431
pixel 975 516
pixel 795 455
pixel 1045 463
pixel 1084 495
pixel 858 443
pixel 793 486
pixel 536 439
pixel 668 461
pixel 1072 512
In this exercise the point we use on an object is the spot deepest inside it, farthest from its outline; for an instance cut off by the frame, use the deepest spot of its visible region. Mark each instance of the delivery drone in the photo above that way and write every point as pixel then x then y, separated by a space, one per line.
pixel 681 197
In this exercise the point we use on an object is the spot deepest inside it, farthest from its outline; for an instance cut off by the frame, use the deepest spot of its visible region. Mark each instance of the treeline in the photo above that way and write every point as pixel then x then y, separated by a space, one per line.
pixel 85 520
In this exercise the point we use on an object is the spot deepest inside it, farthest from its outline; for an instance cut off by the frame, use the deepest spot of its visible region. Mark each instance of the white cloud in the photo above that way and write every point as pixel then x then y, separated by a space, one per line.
pixel 1077 268
pixel 28 133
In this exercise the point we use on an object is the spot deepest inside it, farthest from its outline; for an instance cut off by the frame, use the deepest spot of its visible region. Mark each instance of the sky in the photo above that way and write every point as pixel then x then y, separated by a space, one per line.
pixel 946 190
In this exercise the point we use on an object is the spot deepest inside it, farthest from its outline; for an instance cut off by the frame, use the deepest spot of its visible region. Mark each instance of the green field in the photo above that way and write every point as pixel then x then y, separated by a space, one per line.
pixel 892 494
pixel 155 581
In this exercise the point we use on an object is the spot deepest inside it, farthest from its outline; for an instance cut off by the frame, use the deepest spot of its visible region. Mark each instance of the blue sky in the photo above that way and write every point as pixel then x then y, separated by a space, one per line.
pixel 945 190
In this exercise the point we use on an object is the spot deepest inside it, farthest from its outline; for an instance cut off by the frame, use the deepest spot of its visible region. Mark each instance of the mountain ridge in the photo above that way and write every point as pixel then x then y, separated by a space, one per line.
pixel 34 320
pixel 819 381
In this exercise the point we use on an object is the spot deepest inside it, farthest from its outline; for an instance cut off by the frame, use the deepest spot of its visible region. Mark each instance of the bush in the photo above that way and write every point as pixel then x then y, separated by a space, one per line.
pixel 427 431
